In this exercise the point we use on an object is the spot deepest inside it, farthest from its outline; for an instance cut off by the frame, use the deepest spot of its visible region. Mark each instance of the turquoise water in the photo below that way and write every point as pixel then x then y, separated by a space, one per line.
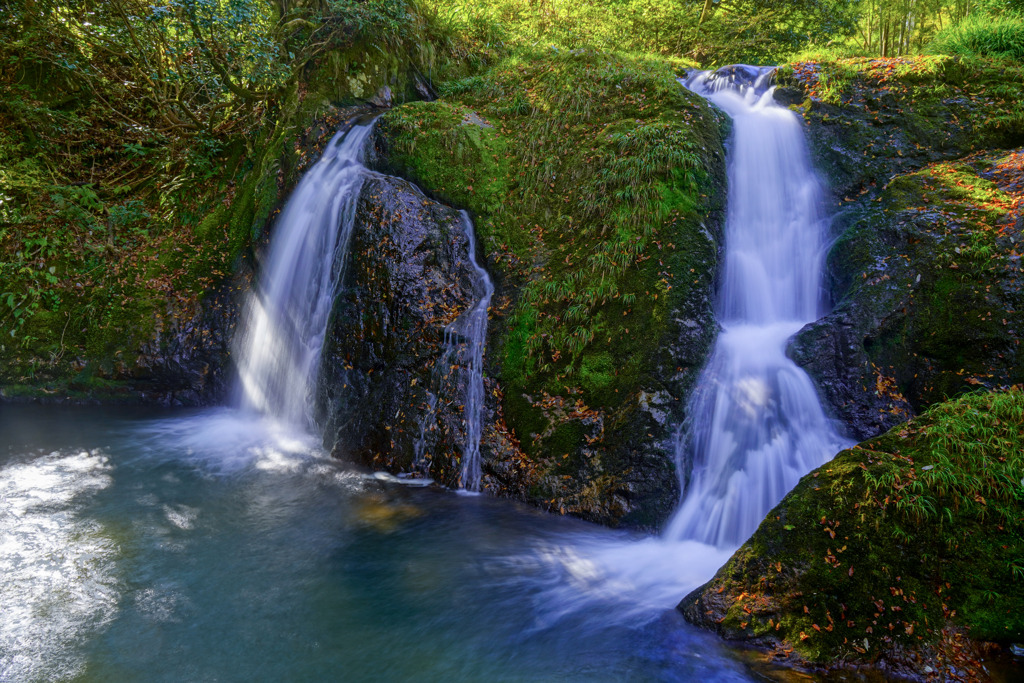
pixel 207 546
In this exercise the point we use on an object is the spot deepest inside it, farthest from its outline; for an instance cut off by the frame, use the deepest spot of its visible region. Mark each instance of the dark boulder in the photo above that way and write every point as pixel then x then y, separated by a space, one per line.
pixel 391 392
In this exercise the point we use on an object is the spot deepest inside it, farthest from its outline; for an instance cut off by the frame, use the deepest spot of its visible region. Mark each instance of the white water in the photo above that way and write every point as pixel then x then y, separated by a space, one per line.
pixel 278 352
pixel 286 318
pixel 58 571
pixel 472 327
pixel 757 424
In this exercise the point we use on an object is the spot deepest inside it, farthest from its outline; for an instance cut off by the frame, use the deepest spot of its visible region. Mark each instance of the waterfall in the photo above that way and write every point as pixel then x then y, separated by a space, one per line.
pixel 464 341
pixel 283 327
pixel 756 423
pixel 472 327
pixel 278 348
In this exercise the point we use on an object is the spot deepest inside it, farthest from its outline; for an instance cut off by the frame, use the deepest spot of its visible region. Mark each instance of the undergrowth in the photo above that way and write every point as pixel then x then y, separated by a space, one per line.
pixel 113 220
pixel 980 35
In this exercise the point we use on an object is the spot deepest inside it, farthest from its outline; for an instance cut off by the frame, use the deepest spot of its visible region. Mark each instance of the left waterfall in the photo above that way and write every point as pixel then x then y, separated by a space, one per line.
pixel 277 350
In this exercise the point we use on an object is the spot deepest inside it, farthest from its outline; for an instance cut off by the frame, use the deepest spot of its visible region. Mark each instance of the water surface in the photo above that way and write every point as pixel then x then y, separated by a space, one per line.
pixel 212 546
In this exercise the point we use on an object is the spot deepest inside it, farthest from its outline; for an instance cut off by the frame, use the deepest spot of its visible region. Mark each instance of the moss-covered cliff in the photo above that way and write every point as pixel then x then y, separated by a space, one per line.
pixel 924 270
pixel 899 553
pixel 596 184
pixel 930 293
pixel 870 119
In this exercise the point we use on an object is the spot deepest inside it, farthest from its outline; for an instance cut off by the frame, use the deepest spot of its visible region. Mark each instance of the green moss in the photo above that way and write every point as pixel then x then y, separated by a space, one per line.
pixel 457 156
pixel 929 273
pixel 874 118
pixel 597 371
pixel 577 193
pixel 595 183
pixel 894 539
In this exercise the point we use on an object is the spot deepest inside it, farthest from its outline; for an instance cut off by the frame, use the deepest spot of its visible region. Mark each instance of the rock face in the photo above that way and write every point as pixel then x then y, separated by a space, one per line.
pixel 930 295
pixel 870 120
pixel 181 360
pixel 391 391
pixel 924 270
pixel 186 361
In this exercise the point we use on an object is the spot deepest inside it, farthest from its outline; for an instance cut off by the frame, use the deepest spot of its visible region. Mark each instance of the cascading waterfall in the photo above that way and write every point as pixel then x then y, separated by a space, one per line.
pixel 286 318
pixel 278 351
pixel 757 424
pixel 472 327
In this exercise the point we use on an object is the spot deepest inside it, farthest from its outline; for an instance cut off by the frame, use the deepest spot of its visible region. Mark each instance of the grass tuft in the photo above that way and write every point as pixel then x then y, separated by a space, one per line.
pixel 982 36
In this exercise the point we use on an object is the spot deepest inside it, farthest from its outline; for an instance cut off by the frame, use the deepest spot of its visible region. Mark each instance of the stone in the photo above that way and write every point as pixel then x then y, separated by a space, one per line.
pixel 388 394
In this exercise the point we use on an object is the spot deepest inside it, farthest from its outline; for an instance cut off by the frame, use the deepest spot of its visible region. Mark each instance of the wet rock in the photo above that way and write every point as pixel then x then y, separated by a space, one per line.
pixel 929 303
pixel 423 88
pixel 383 98
pixel 921 313
pixel 390 395
pixel 591 432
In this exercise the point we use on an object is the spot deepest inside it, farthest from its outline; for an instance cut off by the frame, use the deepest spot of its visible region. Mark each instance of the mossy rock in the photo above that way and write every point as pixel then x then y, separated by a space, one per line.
pixel 903 552
pixel 872 118
pixel 596 183
pixel 930 294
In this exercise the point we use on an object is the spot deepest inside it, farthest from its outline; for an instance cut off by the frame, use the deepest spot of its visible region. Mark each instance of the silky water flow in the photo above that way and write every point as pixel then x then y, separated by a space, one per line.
pixel 756 422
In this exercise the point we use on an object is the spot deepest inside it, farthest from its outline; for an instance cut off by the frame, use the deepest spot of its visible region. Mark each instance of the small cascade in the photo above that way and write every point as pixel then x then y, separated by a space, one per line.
pixel 472 327
pixel 756 423
pixel 464 342
pixel 278 347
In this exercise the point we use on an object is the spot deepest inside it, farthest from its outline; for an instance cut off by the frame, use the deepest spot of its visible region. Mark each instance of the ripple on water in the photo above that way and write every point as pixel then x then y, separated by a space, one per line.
pixel 57 568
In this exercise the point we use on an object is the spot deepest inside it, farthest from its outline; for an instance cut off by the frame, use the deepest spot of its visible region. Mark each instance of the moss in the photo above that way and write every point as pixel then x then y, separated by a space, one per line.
pixel 457 157
pixel 595 182
pixel 937 261
pixel 876 553
pixel 872 118
pixel 597 371
pixel 579 169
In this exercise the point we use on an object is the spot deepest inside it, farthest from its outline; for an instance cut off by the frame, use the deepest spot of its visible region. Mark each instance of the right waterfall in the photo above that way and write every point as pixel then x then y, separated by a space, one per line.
pixel 756 423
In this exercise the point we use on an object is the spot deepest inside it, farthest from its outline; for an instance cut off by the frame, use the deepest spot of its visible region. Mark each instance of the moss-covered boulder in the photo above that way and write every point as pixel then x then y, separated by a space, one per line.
pixel 924 271
pixel 903 553
pixel 596 183
pixel 929 283
pixel 870 119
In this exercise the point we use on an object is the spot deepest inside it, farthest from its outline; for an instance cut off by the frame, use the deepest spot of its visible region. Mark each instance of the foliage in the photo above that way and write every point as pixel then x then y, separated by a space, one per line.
pixel 704 31
pixel 974 465
pixel 982 36
pixel 141 149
